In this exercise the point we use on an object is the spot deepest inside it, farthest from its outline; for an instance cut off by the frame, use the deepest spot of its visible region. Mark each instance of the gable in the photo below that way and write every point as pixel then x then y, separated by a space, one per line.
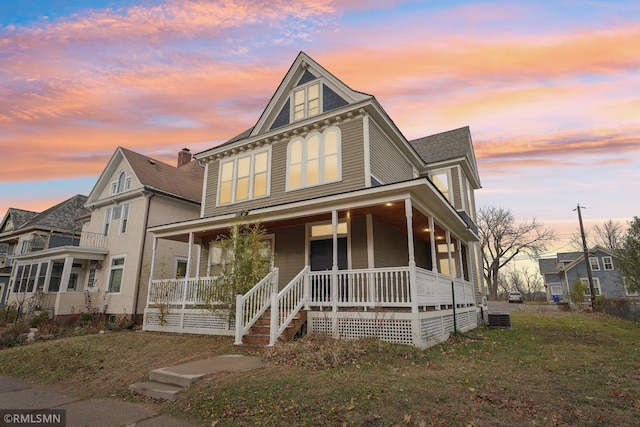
pixel 144 173
pixel 15 218
pixel 332 94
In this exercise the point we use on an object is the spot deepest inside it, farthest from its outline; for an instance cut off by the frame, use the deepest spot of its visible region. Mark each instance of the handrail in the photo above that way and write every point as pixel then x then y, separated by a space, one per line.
pixel 253 304
pixel 287 303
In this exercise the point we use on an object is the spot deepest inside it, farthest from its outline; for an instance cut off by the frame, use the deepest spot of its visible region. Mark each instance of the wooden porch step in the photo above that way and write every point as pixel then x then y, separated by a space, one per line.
pixel 259 334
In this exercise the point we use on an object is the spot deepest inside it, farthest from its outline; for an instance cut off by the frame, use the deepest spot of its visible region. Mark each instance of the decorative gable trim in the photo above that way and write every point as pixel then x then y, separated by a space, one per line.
pixel 302 71
pixel 302 130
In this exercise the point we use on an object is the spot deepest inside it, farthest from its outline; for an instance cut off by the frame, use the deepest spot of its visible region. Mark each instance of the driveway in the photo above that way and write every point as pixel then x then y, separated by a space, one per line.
pixel 506 307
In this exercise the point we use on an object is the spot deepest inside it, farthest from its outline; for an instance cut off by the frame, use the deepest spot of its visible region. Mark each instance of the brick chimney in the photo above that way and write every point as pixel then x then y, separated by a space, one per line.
pixel 184 157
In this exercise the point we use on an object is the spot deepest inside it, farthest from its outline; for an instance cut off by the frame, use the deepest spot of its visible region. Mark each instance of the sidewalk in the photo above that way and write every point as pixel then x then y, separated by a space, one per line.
pixel 19 395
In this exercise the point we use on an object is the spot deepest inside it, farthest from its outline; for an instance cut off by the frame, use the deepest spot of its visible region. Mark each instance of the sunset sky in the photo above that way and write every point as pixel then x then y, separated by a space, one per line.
pixel 550 89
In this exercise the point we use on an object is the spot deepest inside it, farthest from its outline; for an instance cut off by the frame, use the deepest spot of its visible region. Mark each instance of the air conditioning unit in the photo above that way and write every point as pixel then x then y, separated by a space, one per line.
pixel 500 320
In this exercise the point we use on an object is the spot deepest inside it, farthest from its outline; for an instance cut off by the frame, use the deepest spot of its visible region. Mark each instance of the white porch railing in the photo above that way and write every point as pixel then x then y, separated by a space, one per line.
pixel 364 288
pixel 194 291
pixel 253 304
pixel 286 304
pixel 385 287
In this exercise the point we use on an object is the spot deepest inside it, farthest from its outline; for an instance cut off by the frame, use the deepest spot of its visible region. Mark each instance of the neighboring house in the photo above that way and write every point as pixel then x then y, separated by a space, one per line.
pixel 106 268
pixel 561 273
pixel 27 235
pixel 13 219
pixel 370 231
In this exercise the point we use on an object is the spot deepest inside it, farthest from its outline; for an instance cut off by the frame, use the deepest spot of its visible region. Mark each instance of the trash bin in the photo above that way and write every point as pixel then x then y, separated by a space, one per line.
pixel 556 299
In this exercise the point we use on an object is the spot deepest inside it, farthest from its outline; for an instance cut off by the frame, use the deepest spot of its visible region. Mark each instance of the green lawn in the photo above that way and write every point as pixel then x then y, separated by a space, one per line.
pixel 550 369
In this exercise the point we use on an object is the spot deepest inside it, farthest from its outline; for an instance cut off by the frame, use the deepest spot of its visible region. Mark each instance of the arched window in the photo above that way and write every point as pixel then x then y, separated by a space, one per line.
pixel 121 182
pixel 314 160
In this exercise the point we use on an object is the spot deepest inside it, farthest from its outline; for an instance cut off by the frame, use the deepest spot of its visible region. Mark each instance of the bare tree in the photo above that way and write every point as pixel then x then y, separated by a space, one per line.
pixel 502 239
pixel 524 280
pixel 609 235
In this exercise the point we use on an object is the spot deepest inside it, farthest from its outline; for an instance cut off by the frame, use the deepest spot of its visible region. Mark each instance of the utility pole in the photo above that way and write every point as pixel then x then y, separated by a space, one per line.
pixel 586 258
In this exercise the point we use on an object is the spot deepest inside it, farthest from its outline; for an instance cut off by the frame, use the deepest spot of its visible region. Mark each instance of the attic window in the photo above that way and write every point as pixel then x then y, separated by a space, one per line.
pixel 306 101
pixel 123 183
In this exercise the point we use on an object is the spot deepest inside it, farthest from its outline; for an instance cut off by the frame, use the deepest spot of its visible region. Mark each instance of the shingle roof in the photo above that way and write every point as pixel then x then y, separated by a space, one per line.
pixel 548 265
pixel 568 256
pixel 19 216
pixel 444 146
pixel 61 216
pixel 185 181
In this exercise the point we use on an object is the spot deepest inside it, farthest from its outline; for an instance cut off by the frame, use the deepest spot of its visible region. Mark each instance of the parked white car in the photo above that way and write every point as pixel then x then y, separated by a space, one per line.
pixel 516 297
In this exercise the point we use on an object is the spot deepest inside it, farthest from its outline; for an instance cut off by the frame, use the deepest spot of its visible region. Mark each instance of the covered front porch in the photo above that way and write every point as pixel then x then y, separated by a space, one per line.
pixel 54 278
pixel 382 262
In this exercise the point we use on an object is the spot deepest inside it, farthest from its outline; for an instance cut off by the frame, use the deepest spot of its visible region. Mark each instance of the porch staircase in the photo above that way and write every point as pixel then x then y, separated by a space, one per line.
pixel 259 334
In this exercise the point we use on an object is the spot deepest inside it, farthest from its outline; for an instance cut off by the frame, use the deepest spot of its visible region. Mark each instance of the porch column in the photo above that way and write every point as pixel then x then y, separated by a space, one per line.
pixel 199 255
pixel 64 282
pixel 334 273
pixel 432 238
pixel 190 253
pixel 451 265
pixel 66 274
pixel 371 263
pixel 460 261
pixel 154 247
pixel 413 279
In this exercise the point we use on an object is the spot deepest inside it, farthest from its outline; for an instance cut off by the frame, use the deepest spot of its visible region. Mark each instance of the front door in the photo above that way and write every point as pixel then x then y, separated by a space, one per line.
pixel 321 259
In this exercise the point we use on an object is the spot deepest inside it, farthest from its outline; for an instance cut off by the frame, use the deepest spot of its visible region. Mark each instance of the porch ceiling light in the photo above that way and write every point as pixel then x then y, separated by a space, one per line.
pixel 388 204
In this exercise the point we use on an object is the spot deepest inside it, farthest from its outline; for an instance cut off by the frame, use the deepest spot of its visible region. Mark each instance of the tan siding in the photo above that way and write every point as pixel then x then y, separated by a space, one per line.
pixel 390 246
pixel 387 162
pixel 359 242
pixel 352 175
pixel 289 249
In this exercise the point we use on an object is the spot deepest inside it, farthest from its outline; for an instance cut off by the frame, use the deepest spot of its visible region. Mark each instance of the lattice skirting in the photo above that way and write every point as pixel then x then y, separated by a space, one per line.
pixel 189 321
pixel 422 330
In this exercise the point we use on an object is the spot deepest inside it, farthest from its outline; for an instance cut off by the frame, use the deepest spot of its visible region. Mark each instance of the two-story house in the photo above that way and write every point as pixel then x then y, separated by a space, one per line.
pixel 386 226
pixel 26 235
pixel 562 272
pixel 106 267
pixel 13 219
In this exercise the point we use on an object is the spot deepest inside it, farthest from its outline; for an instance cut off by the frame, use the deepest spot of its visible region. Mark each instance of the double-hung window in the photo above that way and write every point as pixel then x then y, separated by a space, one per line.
pixel 244 177
pixel 124 219
pixel 107 221
pixel 314 160
pixel 607 262
pixel 115 274
pixel 594 262
pixel 596 286
pixel 306 101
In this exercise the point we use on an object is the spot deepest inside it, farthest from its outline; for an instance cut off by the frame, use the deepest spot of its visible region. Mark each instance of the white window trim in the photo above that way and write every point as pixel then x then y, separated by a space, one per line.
pixel 106 226
pixel 124 215
pixel 596 285
pixel 555 287
pixel 594 263
pixel 305 87
pixel 234 179
pixel 610 262
pixel 303 173
pixel 178 260
pixel 111 268
pixel 446 171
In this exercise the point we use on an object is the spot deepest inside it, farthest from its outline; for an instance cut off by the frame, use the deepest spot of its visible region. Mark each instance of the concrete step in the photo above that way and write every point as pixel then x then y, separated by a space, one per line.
pixel 156 389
